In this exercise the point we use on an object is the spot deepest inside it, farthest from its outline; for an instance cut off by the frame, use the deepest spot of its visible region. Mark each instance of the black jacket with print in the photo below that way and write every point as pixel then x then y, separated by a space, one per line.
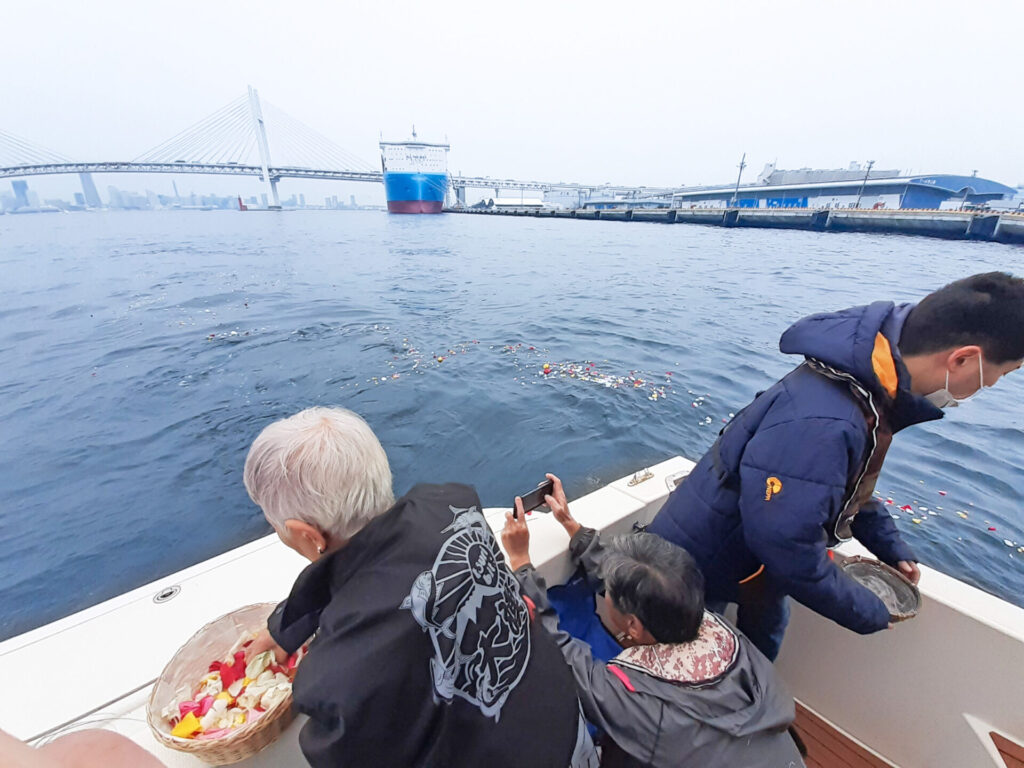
pixel 424 653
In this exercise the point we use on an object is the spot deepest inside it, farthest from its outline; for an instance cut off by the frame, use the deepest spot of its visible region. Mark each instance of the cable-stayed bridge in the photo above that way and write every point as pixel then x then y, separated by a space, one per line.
pixel 235 141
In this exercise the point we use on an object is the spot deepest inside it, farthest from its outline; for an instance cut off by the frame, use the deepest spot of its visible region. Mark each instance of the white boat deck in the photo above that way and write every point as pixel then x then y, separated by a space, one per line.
pixel 927 694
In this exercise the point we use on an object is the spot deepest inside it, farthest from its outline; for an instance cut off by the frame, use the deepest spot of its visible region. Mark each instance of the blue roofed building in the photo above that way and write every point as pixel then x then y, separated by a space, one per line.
pixel 849 188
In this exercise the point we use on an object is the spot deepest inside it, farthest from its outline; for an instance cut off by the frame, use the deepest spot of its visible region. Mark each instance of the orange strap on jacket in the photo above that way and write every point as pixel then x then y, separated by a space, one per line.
pixel 753 576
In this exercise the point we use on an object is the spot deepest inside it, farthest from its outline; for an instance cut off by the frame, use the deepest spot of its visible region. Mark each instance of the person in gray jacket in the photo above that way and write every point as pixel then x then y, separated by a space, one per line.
pixel 687 688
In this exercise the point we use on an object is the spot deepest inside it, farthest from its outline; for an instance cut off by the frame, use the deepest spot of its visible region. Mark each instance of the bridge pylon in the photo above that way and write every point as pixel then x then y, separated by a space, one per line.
pixel 264 147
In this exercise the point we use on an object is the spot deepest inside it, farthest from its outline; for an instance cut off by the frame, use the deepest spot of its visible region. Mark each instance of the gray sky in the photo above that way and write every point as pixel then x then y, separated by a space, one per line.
pixel 646 93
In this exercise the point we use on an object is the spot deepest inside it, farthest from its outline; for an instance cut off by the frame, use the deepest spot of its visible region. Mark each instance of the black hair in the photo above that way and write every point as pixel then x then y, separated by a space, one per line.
pixel 986 310
pixel 658 582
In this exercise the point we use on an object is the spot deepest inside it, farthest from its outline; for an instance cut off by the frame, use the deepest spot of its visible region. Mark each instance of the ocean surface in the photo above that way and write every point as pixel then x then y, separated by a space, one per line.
pixel 142 353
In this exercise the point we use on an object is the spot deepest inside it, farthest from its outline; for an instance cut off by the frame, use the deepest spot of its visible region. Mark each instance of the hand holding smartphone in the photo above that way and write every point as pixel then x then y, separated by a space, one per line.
pixel 535 498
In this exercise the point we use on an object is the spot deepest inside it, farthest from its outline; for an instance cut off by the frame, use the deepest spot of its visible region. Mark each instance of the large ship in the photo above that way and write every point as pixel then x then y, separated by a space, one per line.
pixel 415 175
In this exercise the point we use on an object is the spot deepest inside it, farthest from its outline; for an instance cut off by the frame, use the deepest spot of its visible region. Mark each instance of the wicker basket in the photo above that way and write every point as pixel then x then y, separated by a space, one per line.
pixel 191 663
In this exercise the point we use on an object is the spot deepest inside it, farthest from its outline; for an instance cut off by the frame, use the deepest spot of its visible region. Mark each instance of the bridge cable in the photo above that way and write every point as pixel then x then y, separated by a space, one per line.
pixel 23 152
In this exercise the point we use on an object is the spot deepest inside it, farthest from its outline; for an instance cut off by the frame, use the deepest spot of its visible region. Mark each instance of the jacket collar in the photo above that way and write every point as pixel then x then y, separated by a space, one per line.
pixel 700 662
pixel 320 580
pixel 905 408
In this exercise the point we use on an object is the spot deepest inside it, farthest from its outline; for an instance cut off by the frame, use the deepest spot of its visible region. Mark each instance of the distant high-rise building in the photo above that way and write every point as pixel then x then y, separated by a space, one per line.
pixel 79 199
pixel 114 195
pixel 20 188
pixel 92 197
pixel 263 197
pixel 302 201
pixel 352 199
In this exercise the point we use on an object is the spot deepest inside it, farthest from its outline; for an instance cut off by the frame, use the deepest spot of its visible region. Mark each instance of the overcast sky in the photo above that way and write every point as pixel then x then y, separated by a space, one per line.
pixel 643 93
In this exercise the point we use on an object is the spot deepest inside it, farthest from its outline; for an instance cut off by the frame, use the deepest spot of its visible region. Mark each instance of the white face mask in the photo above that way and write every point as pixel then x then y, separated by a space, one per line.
pixel 943 398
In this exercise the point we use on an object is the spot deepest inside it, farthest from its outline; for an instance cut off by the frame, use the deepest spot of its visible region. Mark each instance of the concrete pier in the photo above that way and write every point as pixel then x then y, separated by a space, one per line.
pixel 933 223
pixel 962 225
pixel 663 215
pixel 781 218
pixel 617 214
pixel 700 216
pixel 1010 229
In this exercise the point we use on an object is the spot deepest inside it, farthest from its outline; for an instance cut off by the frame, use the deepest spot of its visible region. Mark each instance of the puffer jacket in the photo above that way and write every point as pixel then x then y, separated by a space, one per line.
pixel 791 475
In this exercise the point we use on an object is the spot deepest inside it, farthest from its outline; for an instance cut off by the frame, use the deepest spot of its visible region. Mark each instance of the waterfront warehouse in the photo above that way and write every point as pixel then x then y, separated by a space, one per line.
pixel 851 188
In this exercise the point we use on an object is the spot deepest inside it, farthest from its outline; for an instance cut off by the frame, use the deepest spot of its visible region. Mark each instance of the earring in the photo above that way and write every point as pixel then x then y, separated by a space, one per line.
pixel 319 550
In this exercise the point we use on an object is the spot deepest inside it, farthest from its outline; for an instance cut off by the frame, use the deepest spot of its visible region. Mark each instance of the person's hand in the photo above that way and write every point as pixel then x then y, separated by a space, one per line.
pixel 516 538
pixel 264 641
pixel 560 507
pixel 909 569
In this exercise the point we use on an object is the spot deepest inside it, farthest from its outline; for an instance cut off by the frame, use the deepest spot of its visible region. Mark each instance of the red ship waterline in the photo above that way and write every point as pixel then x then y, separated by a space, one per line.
pixel 414 206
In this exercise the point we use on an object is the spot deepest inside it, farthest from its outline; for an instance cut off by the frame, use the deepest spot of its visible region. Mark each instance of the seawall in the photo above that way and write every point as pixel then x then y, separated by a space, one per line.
pixel 956 225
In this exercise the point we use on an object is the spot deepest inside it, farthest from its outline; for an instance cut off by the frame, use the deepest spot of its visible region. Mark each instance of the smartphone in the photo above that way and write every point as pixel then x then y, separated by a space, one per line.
pixel 535 498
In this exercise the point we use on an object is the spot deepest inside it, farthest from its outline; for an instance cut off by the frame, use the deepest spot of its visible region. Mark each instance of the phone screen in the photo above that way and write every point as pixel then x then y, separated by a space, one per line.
pixel 535 498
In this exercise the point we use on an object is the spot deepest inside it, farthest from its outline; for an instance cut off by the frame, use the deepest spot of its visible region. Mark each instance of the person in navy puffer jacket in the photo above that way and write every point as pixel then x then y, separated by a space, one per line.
pixel 793 474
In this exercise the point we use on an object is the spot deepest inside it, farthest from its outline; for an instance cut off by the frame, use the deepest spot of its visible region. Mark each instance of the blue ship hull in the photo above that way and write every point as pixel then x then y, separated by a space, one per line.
pixel 415 192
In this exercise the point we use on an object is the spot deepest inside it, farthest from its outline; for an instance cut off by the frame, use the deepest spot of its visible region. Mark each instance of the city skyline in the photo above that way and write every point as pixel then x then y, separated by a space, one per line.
pixel 23 198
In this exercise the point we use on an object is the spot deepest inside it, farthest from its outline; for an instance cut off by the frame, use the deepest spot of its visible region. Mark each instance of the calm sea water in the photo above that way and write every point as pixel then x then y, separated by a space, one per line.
pixel 142 352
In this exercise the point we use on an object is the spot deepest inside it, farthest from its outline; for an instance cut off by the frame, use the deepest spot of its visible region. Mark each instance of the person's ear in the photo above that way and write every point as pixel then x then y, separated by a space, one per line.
pixel 959 356
pixel 305 539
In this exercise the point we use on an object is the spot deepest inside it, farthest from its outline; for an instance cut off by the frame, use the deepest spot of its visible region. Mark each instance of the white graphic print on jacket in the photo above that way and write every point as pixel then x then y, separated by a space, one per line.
pixel 470 605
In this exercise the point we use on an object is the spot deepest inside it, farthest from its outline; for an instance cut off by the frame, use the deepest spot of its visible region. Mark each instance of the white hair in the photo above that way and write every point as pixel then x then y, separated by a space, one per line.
pixel 323 466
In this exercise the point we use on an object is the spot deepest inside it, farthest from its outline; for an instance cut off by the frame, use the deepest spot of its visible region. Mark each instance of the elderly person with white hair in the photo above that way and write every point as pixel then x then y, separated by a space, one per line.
pixel 424 653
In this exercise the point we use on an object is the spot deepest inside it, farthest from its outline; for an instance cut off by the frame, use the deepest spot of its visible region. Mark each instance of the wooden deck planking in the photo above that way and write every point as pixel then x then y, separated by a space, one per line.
pixel 827 748
pixel 1011 752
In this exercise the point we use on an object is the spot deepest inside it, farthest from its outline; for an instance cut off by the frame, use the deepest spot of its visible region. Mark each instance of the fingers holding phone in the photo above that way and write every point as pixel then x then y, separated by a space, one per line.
pixel 535 498
pixel 560 506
